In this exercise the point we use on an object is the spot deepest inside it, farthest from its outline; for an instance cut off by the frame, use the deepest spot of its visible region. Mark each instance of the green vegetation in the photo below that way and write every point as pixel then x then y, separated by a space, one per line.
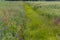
pixel 42 23
pixel 29 21
pixel 11 20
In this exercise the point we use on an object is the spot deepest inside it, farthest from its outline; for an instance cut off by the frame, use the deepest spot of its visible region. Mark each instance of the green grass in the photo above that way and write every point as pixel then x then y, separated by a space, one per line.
pixel 10 20
pixel 40 24
pixel 29 20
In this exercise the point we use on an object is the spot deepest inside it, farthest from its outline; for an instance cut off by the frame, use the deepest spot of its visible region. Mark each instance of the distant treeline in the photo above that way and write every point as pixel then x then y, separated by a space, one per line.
pixel 32 0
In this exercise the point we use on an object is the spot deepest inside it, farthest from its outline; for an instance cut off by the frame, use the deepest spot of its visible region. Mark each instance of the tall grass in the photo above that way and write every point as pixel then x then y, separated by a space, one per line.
pixel 29 21
pixel 41 24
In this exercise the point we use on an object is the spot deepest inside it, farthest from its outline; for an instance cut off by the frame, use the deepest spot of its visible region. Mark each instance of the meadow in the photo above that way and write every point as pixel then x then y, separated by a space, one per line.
pixel 29 20
pixel 43 20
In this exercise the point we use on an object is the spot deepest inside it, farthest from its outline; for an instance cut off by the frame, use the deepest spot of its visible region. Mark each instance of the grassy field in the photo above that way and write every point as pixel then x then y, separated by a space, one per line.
pixel 29 20
pixel 43 20
pixel 11 20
